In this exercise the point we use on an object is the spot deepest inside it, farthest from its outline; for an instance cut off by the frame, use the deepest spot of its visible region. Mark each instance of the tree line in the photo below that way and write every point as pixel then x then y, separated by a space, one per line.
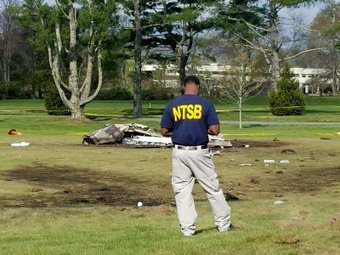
pixel 80 46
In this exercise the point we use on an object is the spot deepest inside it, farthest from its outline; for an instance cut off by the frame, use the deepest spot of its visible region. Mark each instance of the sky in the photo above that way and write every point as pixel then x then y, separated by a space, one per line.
pixel 307 13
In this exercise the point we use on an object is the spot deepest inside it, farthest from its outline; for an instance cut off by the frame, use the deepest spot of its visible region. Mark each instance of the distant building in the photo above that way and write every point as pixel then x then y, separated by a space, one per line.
pixel 304 76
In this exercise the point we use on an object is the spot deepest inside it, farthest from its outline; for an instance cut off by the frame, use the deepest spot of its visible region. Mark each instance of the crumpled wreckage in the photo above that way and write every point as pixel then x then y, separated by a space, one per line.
pixel 138 135
pixel 134 135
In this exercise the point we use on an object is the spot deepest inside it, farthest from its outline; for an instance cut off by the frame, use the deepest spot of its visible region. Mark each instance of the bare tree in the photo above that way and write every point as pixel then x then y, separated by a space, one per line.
pixel 326 34
pixel 241 82
pixel 79 78
pixel 269 41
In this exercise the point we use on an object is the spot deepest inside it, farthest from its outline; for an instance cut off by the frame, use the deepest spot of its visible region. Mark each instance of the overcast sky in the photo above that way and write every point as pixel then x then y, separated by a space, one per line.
pixel 307 13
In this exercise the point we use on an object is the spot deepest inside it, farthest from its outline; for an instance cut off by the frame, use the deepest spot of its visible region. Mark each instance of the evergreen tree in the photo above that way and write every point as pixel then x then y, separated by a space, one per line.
pixel 287 99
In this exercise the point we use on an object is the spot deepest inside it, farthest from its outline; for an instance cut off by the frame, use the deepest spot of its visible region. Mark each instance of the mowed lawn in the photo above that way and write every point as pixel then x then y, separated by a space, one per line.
pixel 60 197
pixel 318 109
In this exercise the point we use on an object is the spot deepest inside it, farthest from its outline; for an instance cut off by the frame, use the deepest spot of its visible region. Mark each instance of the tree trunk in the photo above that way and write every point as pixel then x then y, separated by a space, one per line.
pixel 274 70
pixel 122 80
pixel 181 70
pixel 334 78
pixel 73 67
pixel 184 53
pixel 76 109
pixel 137 90
pixel 274 46
pixel 240 113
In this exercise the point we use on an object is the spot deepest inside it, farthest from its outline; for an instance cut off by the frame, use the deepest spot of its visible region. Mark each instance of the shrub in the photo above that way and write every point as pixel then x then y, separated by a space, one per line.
pixel 156 92
pixel 287 99
pixel 53 103
pixel 114 94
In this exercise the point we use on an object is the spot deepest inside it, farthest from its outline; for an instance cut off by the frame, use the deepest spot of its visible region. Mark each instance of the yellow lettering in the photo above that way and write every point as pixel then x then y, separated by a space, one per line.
pixel 184 108
pixel 176 111
pixel 198 112
pixel 190 112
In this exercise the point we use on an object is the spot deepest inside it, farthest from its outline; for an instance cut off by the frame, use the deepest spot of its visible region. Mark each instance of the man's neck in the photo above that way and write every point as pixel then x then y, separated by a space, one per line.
pixel 190 93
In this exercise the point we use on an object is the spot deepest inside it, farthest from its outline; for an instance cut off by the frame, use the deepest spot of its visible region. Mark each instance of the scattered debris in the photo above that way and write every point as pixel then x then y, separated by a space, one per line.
pixel 140 204
pixel 276 139
pixel 22 144
pixel 269 161
pixel 278 195
pixel 217 143
pixel 279 202
pixel 279 172
pixel 284 161
pixel 245 145
pixel 245 164
pixel 288 151
pixel 138 135
pixel 14 132
pixel 230 196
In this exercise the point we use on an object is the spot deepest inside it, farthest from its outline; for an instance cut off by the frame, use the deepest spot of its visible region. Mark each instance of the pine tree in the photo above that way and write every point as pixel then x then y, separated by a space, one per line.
pixel 287 99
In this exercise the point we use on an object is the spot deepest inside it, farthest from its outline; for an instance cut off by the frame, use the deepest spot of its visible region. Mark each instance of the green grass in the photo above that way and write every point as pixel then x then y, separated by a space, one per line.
pixel 309 186
pixel 318 109
pixel 38 185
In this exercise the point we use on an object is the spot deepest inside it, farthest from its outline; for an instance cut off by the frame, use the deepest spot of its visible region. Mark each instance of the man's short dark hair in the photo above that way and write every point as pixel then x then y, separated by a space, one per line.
pixel 191 79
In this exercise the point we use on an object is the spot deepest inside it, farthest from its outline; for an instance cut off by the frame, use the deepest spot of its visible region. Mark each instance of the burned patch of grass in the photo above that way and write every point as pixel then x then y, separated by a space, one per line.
pixel 73 186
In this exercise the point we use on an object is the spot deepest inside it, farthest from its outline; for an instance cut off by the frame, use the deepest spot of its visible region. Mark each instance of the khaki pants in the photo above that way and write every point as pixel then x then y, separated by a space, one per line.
pixel 189 165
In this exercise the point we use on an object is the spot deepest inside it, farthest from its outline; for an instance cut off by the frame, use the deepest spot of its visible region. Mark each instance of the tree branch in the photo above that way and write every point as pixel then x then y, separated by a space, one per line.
pixel 300 53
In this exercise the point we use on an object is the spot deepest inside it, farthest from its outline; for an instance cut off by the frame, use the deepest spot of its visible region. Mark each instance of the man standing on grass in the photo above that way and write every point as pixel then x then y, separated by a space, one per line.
pixel 188 120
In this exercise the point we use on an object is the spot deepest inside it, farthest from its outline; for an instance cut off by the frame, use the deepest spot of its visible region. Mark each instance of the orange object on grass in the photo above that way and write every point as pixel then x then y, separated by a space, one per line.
pixel 14 132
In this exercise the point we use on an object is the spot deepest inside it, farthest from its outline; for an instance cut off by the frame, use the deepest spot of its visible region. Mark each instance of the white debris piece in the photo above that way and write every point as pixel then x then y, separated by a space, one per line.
pixel 22 144
pixel 279 202
pixel 245 164
pixel 140 204
pixel 284 161
pixel 152 140
pixel 268 161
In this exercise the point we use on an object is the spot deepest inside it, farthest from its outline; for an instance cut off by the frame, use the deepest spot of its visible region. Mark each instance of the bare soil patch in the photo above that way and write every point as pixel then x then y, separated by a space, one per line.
pixel 279 183
pixel 80 186
pixel 258 144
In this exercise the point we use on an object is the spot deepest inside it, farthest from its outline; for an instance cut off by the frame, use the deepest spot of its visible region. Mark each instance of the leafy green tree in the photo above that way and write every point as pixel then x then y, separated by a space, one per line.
pixel 287 99
pixel 177 30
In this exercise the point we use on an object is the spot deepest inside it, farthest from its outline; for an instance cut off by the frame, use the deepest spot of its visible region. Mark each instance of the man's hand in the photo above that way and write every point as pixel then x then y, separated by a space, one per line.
pixel 214 130
pixel 165 132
